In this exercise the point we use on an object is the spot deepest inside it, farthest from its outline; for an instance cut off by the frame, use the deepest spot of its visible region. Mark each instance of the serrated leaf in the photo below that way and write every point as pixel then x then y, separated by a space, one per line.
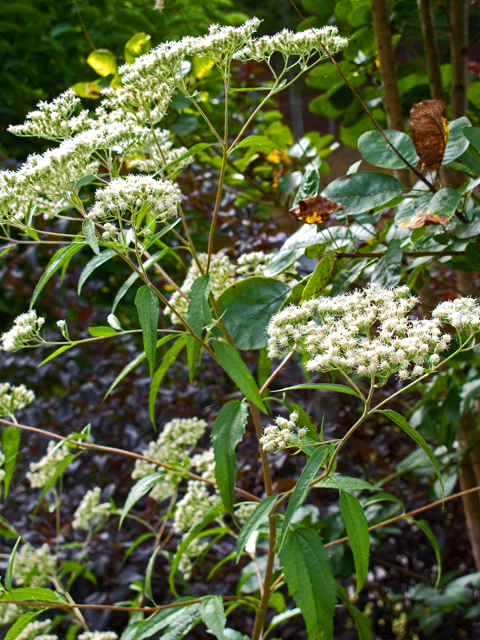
pixel 20 624
pixel 403 424
pixel 362 623
pixel 196 316
pixel 319 278
pixel 102 332
pixel 31 593
pixel 10 444
pixel 347 483
pixel 168 359
pixel 339 388
pixel 358 535
pixel 93 264
pixel 181 623
pixel 363 191
pixel 139 489
pixel 156 622
pixel 234 366
pixel 88 228
pixel 255 520
pixel 375 149
pixel 61 258
pixel 212 613
pixel 301 490
pixel 227 431
pixel 148 309
pixel 310 581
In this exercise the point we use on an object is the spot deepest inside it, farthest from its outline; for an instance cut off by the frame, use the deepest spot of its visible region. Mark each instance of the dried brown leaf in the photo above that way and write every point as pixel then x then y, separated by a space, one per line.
pixel 315 209
pixel 429 131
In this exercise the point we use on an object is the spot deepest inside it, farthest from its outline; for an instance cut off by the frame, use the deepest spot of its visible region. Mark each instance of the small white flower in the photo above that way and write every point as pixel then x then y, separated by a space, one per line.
pixel 41 472
pixel 33 567
pixel 25 331
pixel 14 398
pixel 90 510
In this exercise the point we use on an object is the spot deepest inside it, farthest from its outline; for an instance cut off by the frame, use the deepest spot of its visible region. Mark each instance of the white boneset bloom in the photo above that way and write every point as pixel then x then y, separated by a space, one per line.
pixel 194 549
pixel 244 511
pixel 98 635
pixel 196 503
pixel 35 631
pixel 111 232
pixel 461 313
pixel 41 472
pixel 151 157
pixel 172 447
pixel 278 436
pixel 25 330
pixel 9 613
pixel 365 332
pixel 204 464
pixel 90 511
pixel 14 398
pixel 146 101
pixel 33 567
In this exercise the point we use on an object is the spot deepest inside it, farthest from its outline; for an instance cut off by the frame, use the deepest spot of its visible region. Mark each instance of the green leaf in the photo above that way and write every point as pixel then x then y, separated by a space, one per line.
pixel 227 431
pixel 309 185
pixel 9 571
pixel 339 388
pixel 57 261
pixel 302 489
pixel 358 535
pixel 185 124
pixel 363 191
pixel 347 483
pixel 20 624
pixel 31 593
pixel 388 270
pixel 256 519
pixel 258 141
pixel 90 267
pixel 403 424
pixel 181 622
pixel 410 210
pixel 75 569
pixel 156 622
pixel 88 228
pixel 282 617
pixel 247 307
pixel 380 497
pixel 375 149
pixel 168 359
pixel 132 278
pixel 131 365
pixel 139 489
pixel 212 613
pixel 234 366
pixel 472 254
pixel 148 309
pixel 319 278
pixel 136 46
pixel 425 527
pixel 159 235
pixel 310 580
pixel 192 151
pixel 315 250
pixel 103 62
pixel 198 314
pixel 10 444
pixel 457 142
pixel 102 332
pixel 363 624
pixel 293 248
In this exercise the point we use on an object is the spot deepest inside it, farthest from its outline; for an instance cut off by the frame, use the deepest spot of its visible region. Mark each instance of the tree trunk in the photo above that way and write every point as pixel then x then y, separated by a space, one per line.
pixel 430 46
pixel 459 56
pixel 391 97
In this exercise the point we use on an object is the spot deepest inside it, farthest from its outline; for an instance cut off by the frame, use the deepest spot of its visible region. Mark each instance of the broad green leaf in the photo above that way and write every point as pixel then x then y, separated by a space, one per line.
pixel 309 186
pixel 375 149
pixel 9 571
pixel 293 248
pixel 181 623
pixel 102 332
pixel 315 250
pixel 57 261
pixel 425 527
pixel 212 613
pixel 407 214
pixel 301 490
pixel 90 267
pixel 185 124
pixel 132 278
pixel 472 254
pixel 403 424
pixel 136 46
pixel 198 314
pixel 148 309
pixel 339 388
pixel 20 624
pixel 139 489
pixel 457 142
pixel 363 191
pixel 347 483
pixel 235 367
pixel 472 134
pixel 155 623
pixel 388 270
pixel 256 519
pixel 362 623
pixel 358 535
pixel 10 444
pixel 88 227
pixel 436 209
pixel 319 278
pixel 258 141
pixel 310 581
pixel 168 359
pixel 131 365
pixel 227 431
pixel 103 62
pixel 247 307
pixel 31 593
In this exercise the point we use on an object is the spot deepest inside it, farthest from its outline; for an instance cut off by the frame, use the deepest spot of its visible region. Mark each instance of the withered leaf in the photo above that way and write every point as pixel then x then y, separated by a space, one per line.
pixel 429 131
pixel 427 218
pixel 315 209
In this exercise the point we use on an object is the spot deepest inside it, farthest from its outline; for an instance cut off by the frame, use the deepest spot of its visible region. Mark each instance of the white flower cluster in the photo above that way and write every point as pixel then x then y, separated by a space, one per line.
pixel 172 447
pixel 16 203
pixel 278 436
pixel 461 313
pixel 111 232
pixel 33 567
pixel 14 398
pixel 194 549
pixel 196 503
pixel 244 511
pixel 25 330
pixel 303 44
pixel 90 511
pixel 9 613
pixel 41 472
pixel 50 120
pixel 154 157
pixel 130 194
pixel 98 635
pixel 366 332
pixel 35 631
pixel 147 101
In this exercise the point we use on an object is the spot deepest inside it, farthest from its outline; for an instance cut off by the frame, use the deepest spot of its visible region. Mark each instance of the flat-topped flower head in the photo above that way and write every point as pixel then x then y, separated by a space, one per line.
pixel 461 313
pixel 365 332
pixel 14 398
pixel 25 331
pixel 221 43
pixel 89 512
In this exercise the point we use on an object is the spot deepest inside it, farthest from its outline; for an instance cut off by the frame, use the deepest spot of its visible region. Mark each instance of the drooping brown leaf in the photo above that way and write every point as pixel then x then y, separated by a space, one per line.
pixel 427 218
pixel 429 131
pixel 315 209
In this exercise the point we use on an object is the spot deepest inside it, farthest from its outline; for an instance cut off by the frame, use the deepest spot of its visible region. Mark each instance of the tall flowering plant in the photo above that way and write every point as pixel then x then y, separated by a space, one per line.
pixel 111 183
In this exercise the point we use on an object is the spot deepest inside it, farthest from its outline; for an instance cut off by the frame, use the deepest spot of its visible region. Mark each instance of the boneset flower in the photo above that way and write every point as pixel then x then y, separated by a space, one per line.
pixel 278 436
pixel 33 567
pixel 41 472
pixel 34 631
pixel 461 313
pixel 98 635
pixel 14 398
pixel 25 330
pixel 90 510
